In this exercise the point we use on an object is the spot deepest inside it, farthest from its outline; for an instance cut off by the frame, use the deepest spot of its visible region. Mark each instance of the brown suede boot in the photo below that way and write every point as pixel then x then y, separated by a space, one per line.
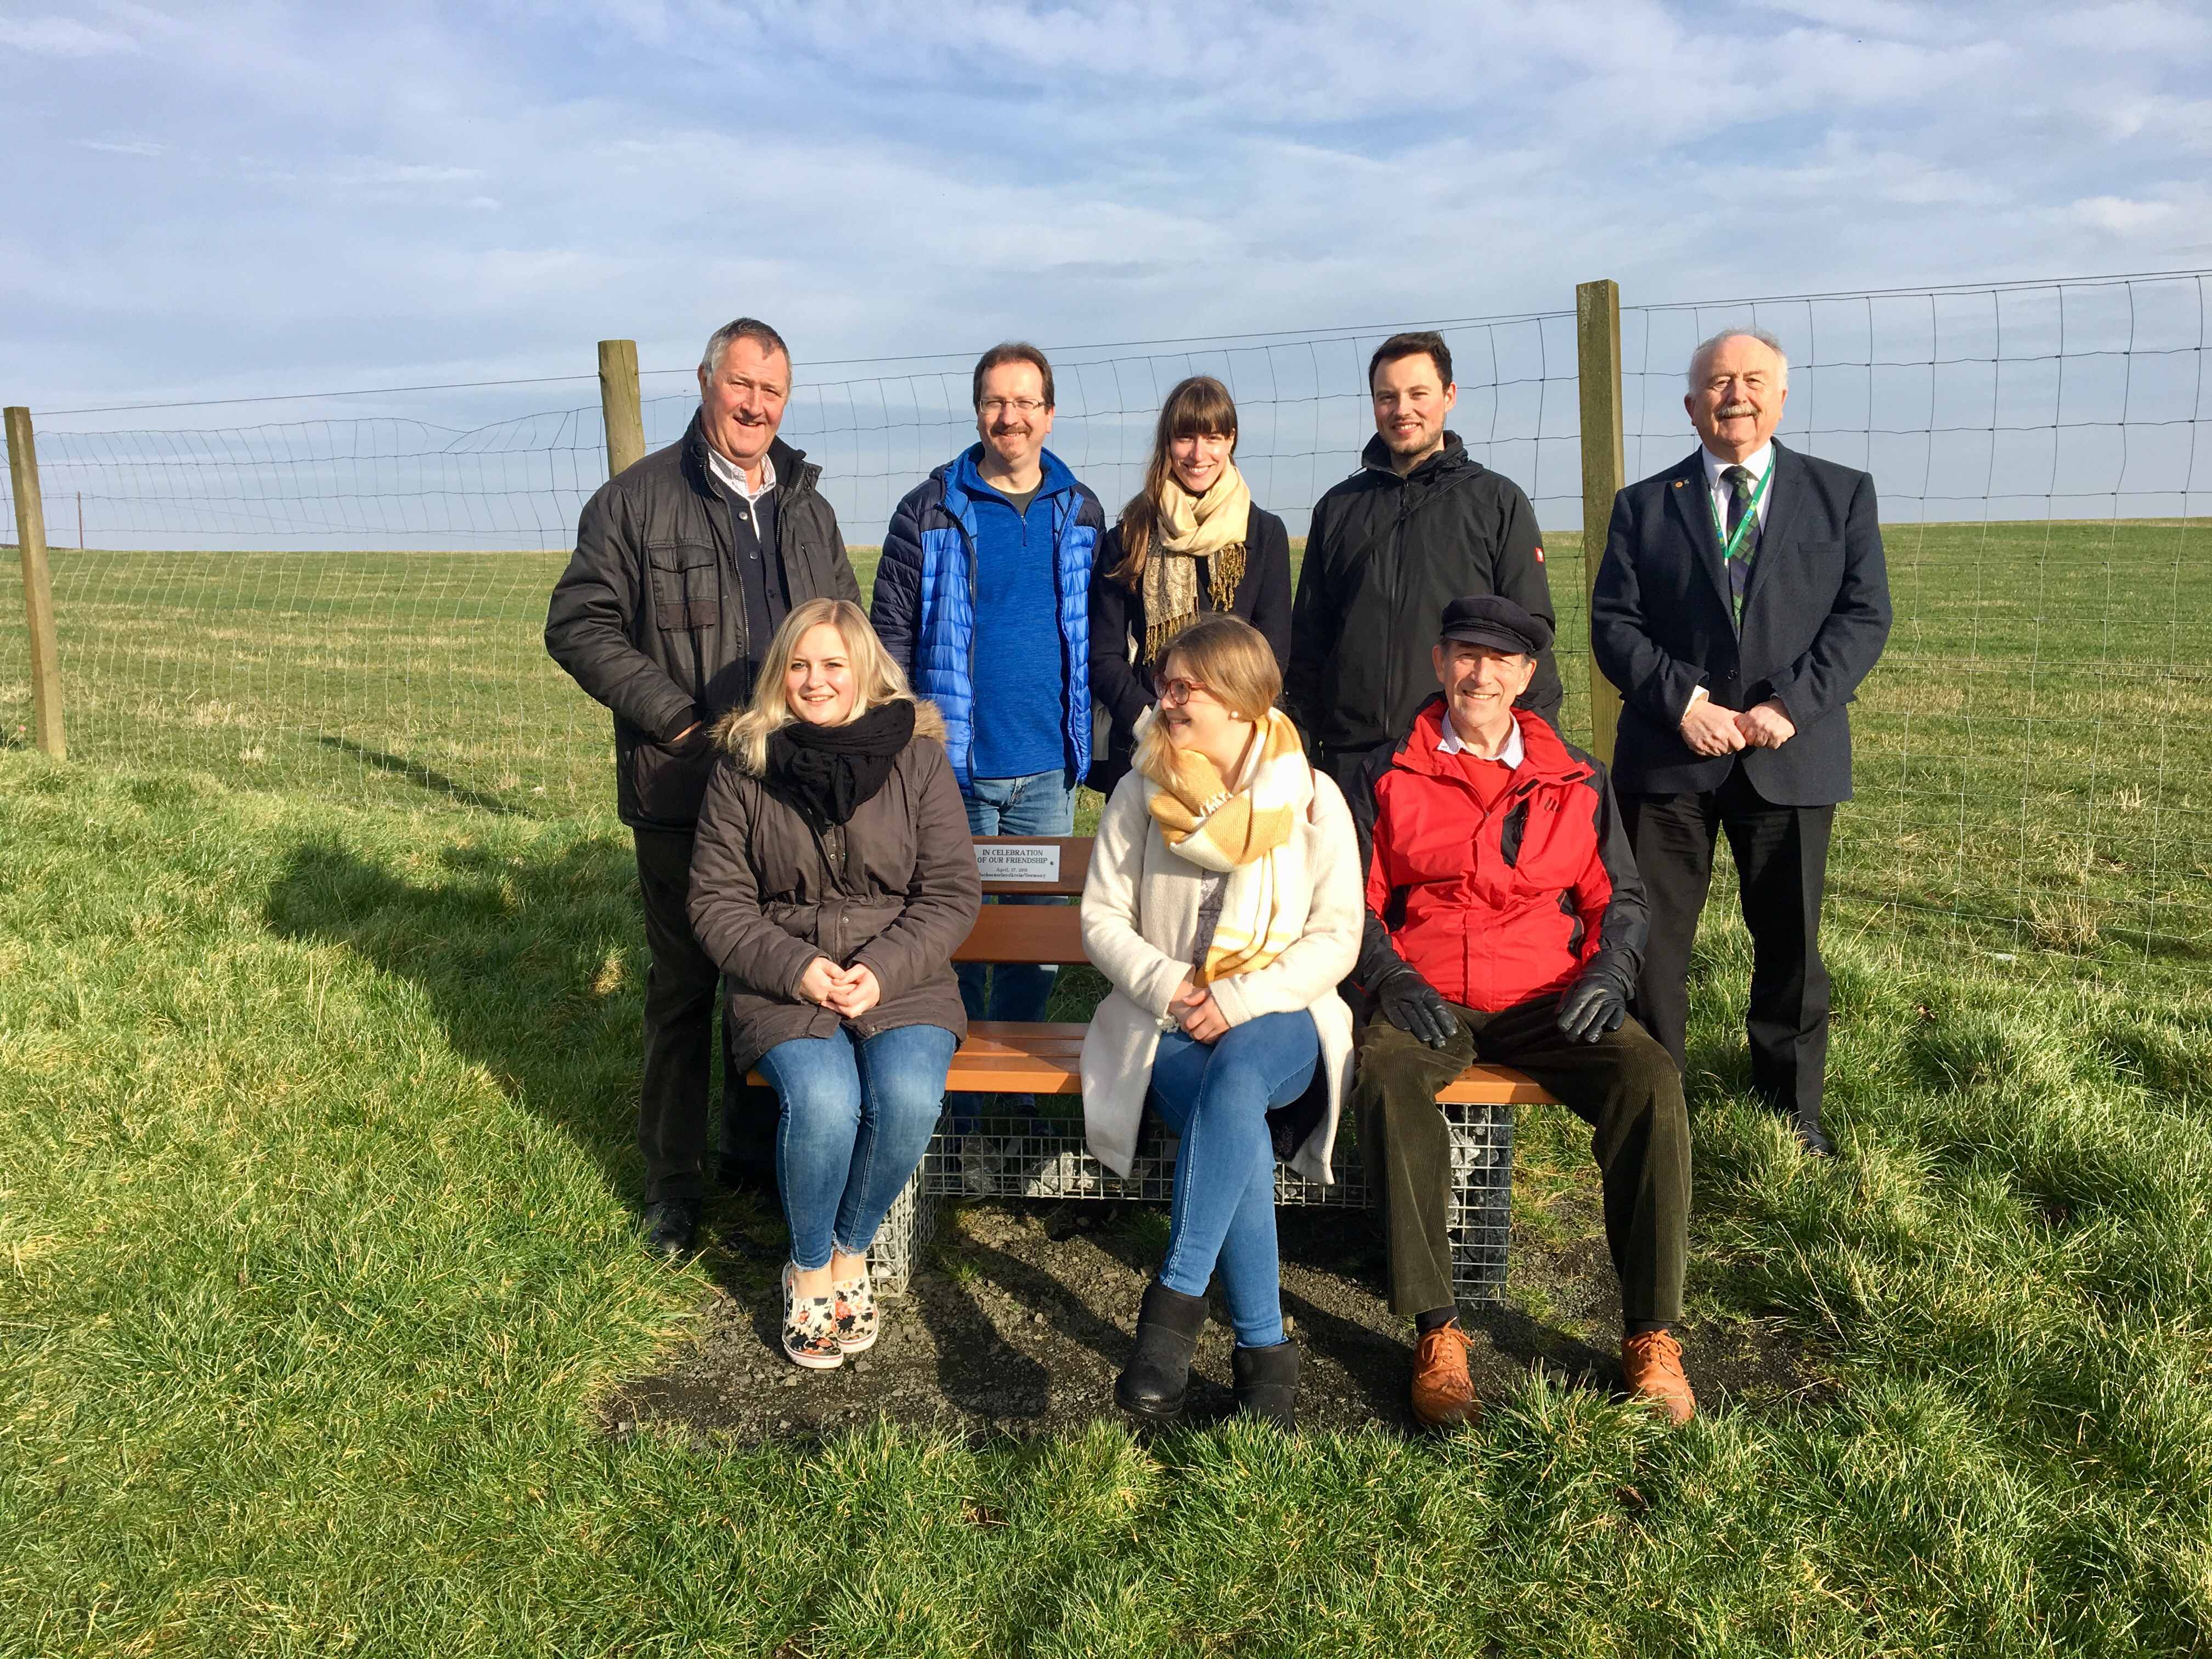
pixel 1651 1365
pixel 1443 1394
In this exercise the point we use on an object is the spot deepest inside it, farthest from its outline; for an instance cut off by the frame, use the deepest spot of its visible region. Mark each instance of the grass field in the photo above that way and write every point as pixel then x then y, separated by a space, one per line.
pixel 317 1035
pixel 2033 750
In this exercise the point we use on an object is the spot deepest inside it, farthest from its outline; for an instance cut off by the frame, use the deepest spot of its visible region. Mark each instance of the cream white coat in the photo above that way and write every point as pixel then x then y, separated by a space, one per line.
pixel 1140 905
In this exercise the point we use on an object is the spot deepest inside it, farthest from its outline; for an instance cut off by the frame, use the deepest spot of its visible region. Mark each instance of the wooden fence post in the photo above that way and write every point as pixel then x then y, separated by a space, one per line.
pixel 619 405
pixel 1597 367
pixel 37 585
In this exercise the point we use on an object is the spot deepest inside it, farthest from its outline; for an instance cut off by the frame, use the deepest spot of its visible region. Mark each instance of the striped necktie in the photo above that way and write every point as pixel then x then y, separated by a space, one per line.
pixel 1740 484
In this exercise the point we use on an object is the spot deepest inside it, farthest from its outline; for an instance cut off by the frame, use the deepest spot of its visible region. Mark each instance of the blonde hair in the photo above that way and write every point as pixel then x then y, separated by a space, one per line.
pixel 1233 661
pixel 1199 407
pixel 877 679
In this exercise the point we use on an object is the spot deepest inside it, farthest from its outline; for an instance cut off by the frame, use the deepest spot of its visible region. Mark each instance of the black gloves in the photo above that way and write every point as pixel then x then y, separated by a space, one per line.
pixel 1594 1004
pixel 1410 1003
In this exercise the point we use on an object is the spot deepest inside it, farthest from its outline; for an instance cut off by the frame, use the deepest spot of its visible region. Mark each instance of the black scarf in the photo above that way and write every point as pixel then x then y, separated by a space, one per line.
pixel 825 772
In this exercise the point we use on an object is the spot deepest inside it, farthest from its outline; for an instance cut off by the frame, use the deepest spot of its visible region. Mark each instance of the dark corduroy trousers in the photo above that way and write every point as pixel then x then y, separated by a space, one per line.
pixel 1624 1085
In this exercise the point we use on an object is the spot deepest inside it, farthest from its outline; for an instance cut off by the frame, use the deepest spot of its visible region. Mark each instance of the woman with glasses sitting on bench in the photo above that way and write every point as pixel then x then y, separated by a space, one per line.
pixel 1224 903
pixel 833 879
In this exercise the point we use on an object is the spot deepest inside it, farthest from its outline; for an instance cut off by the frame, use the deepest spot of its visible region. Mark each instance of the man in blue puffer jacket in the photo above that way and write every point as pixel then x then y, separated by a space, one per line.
pixel 995 547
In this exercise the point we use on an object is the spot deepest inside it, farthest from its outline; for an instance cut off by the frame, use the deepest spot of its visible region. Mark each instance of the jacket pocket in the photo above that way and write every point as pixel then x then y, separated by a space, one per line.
pixel 671 779
pixel 686 587
pixel 1552 847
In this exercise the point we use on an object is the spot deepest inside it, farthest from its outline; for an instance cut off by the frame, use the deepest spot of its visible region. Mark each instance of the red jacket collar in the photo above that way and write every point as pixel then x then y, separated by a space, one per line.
pixel 1543 758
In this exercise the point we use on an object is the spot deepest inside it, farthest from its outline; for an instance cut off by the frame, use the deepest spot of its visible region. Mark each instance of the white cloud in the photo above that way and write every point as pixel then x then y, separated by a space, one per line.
pixel 490 192
pixel 2122 215
pixel 61 37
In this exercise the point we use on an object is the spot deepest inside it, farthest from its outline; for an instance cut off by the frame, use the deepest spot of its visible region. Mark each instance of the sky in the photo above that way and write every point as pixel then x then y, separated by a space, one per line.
pixel 226 200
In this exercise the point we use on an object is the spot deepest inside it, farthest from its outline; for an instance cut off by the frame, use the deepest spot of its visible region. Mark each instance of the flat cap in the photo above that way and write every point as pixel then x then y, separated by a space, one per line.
pixel 1492 620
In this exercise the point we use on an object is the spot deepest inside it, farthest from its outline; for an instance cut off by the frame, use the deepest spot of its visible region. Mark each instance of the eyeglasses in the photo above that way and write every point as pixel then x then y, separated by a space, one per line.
pixel 1178 691
pixel 992 408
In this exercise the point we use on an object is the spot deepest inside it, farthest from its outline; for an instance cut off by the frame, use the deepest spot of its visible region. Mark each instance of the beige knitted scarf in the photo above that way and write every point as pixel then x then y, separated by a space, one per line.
pixel 1245 830
pixel 1213 527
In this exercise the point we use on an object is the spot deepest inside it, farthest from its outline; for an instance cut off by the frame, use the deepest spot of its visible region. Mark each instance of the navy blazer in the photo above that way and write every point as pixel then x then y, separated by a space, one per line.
pixel 1815 615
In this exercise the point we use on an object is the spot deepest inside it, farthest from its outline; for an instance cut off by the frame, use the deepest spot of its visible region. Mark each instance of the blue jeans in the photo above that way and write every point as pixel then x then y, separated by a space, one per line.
pixel 855 1119
pixel 1217 1097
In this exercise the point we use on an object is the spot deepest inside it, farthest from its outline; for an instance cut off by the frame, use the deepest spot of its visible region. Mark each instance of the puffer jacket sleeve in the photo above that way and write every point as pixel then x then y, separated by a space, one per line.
pixel 725 907
pixel 896 608
pixel 946 890
pixel 1112 939
pixel 1311 965
pixel 593 613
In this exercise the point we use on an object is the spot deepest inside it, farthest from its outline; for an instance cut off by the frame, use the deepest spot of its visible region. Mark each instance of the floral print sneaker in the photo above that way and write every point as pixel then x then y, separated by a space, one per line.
pixel 856 1312
pixel 810 1327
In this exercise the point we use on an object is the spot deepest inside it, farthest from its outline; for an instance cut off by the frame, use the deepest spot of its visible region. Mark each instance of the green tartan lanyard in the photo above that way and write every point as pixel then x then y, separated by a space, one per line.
pixel 1750 514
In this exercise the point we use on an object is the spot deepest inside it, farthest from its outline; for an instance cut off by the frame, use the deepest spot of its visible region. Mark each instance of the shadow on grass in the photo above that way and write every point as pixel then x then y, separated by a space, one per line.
pixel 534 966
pixel 423 777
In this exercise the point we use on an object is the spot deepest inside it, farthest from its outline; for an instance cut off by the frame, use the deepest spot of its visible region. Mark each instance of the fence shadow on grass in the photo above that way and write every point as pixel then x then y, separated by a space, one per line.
pixel 415 772
pixel 533 965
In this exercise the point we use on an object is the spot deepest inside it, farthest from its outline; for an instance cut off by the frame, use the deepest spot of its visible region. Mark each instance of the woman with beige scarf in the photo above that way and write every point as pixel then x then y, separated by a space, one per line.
pixel 1224 904
pixel 1190 544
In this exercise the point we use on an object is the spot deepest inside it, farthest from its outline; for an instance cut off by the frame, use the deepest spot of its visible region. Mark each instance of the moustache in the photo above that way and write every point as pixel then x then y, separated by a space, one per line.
pixel 1728 410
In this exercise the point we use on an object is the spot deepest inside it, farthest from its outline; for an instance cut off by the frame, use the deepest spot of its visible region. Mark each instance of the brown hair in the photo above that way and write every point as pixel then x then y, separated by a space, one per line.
pixel 1200 406
pixel 1013 352
pixel 1412 345
pixel 1232 660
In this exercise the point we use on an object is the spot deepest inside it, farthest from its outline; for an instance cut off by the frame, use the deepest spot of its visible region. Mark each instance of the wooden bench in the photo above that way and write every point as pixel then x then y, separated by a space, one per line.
pixel 1041 1154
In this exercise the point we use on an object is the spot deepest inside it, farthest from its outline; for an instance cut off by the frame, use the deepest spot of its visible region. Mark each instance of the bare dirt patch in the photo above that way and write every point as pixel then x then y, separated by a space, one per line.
pixel 1022 1313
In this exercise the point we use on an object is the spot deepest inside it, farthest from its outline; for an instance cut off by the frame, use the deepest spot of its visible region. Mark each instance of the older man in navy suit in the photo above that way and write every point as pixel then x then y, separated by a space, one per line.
pixel 1742 599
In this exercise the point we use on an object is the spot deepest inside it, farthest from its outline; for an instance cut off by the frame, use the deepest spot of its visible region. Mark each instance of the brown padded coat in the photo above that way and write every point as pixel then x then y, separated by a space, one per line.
pixel 896 888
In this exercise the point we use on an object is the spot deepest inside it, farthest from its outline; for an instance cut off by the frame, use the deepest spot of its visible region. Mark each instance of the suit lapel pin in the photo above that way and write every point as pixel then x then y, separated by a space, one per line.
pixel 1678 483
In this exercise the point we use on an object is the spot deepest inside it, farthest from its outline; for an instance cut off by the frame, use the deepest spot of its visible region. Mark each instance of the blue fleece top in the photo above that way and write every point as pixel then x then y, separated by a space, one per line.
pixel 1021 674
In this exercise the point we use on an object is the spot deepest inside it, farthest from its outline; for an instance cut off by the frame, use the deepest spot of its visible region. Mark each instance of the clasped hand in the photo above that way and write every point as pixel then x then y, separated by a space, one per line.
pixel 846 992
pixel 1709 729
pixel 1197 1013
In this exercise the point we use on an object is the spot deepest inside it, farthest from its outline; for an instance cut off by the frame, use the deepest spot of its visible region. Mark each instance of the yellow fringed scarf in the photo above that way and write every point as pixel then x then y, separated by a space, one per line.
pixel 1246 832
pixel 1213 527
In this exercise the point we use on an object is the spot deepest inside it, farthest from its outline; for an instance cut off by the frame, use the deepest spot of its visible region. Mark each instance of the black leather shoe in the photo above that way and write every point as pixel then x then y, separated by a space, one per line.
pixel 1154 1383
pixel 670 1226
pixel 1811 1136
pixel 1267 1383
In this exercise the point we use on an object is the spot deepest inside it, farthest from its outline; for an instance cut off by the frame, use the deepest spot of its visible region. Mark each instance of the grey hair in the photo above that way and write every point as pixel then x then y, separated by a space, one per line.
pixel 1706 348
pixel 741 328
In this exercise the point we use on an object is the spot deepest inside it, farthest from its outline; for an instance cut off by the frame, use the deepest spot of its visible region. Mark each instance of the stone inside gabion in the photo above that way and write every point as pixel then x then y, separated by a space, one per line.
pixel 1066 1176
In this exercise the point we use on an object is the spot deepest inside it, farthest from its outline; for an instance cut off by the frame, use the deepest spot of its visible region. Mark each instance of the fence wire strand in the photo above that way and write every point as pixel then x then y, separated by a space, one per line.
pixel 352 605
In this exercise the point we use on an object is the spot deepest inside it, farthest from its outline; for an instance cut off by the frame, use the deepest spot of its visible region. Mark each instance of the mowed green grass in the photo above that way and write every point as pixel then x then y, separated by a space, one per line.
pixel 317 1249
pixel 2033 752
pixel 316 1252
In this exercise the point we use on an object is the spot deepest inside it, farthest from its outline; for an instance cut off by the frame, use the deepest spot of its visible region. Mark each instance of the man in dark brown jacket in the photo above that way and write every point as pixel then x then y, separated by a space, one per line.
pixel 684 565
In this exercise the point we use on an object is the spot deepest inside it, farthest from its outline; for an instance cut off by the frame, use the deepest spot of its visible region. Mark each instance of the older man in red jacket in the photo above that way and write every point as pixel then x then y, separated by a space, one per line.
pixel 1505 922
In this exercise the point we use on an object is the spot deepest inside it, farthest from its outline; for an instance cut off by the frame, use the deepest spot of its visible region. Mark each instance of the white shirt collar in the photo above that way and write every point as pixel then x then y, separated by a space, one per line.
pixel 734 476
pixel 1758 463
pixel 1509 756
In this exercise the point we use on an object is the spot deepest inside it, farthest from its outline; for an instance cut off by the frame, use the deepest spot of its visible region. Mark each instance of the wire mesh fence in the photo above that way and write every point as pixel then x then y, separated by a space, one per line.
pixel 349 603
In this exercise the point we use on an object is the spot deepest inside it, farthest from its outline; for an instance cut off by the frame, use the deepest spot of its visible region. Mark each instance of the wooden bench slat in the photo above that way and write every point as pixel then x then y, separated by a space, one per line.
pixel 1024 932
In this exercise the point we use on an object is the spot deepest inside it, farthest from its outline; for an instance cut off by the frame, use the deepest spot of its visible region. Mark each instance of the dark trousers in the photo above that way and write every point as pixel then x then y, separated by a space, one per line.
pixel 1781 863
pixel 1623 1086
pixel 682 986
